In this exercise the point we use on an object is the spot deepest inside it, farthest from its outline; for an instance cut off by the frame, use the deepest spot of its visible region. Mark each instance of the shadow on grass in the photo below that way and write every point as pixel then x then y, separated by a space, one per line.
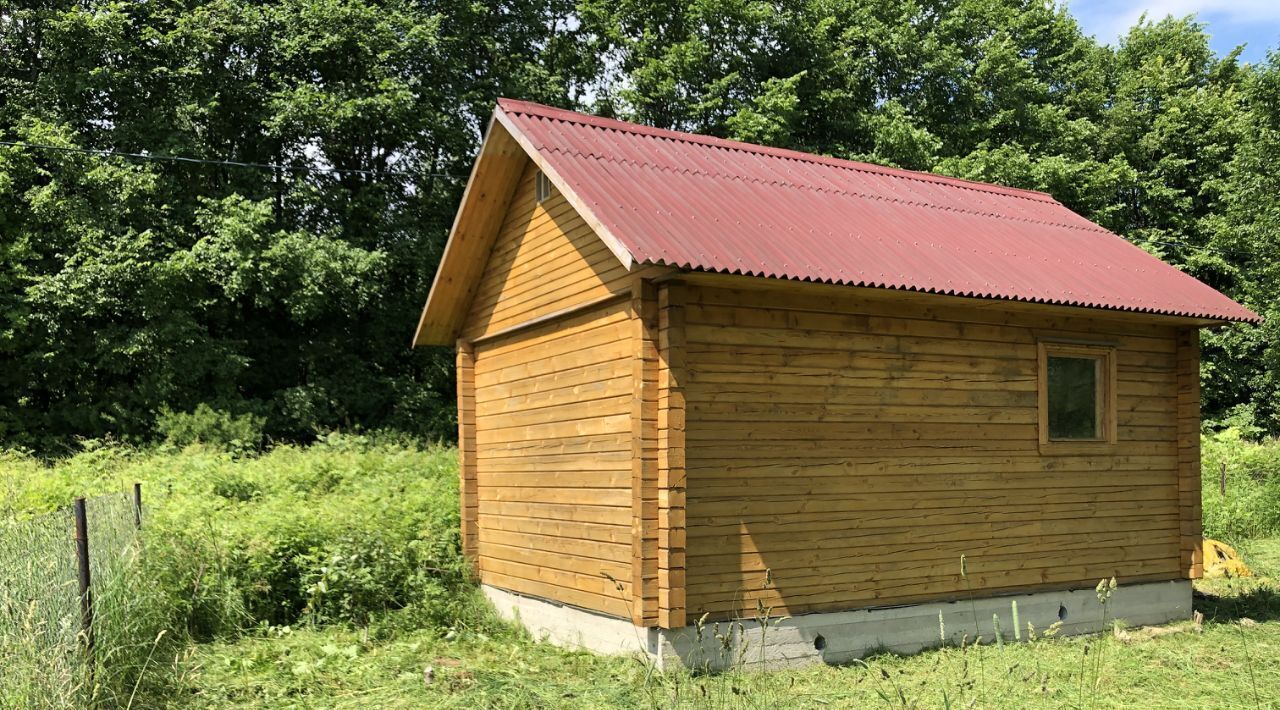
pixel 1248 599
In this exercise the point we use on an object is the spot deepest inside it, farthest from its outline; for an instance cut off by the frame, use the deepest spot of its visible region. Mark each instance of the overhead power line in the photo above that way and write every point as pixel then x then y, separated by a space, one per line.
pixel 229 163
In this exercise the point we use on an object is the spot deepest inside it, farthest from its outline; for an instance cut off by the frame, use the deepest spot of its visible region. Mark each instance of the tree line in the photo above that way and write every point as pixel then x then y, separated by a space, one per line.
pixel 286 286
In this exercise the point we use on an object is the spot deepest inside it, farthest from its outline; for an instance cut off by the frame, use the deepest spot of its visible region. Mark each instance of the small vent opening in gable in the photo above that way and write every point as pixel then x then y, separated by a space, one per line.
pixel 541 186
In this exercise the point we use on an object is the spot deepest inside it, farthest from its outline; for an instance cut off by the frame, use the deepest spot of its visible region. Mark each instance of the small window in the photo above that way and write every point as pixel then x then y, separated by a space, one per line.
pixel 541 186
pixel 1077 397
pixel 1074 398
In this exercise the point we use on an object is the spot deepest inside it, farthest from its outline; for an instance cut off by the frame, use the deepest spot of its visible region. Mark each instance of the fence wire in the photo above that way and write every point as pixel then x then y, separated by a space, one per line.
pixel 40 613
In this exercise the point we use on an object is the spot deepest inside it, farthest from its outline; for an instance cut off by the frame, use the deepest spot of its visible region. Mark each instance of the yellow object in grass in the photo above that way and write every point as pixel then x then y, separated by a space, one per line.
pixel 1221 560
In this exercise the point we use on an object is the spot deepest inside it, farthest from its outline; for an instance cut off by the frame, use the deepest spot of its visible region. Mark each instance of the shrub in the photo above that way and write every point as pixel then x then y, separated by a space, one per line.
pixel 238 434
pixel 337 532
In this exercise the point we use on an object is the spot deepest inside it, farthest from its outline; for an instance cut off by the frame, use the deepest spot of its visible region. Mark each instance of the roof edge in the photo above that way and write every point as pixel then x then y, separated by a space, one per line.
pixel 429 330
pixel 536 109
pixel 441 282
pixel 619 249
pixel 1251 318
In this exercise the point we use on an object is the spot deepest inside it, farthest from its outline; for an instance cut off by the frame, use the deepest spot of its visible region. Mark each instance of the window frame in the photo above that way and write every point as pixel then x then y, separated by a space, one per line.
pixel 1106 396
pixel 541 187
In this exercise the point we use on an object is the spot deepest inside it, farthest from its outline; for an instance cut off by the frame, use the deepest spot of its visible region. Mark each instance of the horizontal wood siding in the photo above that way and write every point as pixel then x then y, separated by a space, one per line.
pixel 546 259
pixel 553 464
pixel 671 451
pixel 465 367
pixel 852 448
pixel 552 436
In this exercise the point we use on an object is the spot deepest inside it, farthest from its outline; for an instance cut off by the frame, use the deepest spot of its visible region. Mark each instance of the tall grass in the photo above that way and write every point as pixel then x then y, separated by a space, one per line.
pixel 44 656
pixel 344 532
pixel 1250 506
pixel 294 564
pixel 40 662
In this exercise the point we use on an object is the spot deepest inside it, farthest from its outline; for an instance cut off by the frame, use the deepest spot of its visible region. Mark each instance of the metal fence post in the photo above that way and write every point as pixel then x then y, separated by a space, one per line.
pixel 137 505
pixel 86 594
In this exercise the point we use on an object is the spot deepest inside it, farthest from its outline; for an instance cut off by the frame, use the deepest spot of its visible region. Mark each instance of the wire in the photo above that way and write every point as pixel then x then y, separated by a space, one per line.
pixel 229 163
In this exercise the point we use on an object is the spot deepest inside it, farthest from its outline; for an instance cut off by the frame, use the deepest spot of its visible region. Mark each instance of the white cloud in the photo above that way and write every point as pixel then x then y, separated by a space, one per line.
pixel 1109 20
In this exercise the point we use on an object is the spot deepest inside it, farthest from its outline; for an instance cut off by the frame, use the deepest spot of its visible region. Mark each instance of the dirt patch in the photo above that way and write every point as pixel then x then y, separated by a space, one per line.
pixel 1146 633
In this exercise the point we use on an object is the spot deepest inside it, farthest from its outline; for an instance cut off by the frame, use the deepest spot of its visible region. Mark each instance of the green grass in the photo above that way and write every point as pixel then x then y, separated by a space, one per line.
pixel 350 531
pixel 1178 665
pixel 1250 507
pixel 329 576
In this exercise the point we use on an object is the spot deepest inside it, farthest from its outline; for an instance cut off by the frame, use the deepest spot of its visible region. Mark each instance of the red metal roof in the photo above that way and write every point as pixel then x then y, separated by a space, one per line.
pixel 697 202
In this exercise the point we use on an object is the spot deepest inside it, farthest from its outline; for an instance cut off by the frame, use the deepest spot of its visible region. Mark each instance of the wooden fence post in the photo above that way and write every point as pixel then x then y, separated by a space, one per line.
pixel 86 594
pixel 137 505
pixel 1222 478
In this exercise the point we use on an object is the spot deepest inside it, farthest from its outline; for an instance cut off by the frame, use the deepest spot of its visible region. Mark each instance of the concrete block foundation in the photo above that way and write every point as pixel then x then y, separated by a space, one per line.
pixel 841 637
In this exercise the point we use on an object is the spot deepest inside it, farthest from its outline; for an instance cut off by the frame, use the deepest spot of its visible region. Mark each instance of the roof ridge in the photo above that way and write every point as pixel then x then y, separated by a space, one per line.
pixel 849 193
pixel 537 109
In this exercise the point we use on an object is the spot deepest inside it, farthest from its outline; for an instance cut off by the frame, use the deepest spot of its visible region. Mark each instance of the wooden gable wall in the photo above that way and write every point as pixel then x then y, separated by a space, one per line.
pixel 546 259
pixel 558 438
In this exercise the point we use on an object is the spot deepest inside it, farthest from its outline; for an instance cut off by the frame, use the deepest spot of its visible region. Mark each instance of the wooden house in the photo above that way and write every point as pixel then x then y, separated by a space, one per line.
pixel 707 380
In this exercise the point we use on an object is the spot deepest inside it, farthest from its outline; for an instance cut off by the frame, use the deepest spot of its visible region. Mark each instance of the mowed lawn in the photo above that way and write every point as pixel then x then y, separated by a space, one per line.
pixel 1231 660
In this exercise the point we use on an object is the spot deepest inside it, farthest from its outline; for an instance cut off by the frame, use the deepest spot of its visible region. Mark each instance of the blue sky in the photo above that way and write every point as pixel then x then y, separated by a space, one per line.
pixel 1253 23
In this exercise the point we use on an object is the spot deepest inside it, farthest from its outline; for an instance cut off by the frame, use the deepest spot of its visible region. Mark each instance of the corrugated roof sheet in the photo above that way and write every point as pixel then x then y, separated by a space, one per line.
pixel 704 203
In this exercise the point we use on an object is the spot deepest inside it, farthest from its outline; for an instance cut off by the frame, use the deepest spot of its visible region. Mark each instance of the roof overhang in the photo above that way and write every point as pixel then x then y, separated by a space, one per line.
pixel 712 279
pixel 493 178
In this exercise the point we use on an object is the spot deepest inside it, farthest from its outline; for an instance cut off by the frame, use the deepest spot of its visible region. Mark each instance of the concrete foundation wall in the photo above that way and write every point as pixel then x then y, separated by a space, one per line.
pixel 570 626
pixel 841 637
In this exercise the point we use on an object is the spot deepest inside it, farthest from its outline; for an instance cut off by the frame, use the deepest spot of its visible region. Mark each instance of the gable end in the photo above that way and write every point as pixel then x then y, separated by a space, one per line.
pixel 502 164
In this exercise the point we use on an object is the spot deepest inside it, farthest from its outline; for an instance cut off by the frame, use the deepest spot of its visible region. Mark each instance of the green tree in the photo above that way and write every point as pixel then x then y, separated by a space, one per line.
pixel 130 286
pixel 1241 372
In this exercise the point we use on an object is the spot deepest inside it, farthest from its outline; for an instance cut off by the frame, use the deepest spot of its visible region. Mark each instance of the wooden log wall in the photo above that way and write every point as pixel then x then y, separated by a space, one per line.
pixel 465 367
pixel 554 339
pixel 1189 452
pixel 852 448
pixel 554 447
pixel 644 454
pixel 671 456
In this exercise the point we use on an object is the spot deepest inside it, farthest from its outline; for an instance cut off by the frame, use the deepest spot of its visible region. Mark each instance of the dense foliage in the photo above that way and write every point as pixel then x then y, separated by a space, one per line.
pixel 127 286
pixel 337 531
pixel 130 288
pixel 349 531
